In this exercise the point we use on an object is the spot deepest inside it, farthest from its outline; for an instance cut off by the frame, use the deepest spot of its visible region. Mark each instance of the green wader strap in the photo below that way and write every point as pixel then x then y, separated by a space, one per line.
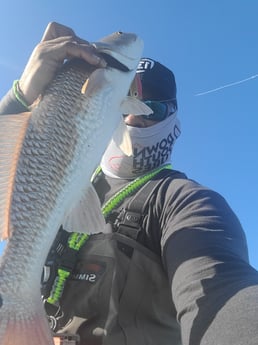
pixel 130 189
pixel 75 242
pixel 129 220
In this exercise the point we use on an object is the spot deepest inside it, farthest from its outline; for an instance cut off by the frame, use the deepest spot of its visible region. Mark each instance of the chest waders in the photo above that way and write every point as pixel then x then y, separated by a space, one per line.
pixel 116 292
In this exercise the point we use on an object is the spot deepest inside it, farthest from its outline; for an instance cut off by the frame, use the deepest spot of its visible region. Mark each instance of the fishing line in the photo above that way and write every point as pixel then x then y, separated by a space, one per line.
pixel 227 85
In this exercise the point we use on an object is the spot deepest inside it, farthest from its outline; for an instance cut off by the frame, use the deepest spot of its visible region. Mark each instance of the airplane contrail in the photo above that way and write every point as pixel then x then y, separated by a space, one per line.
pixel 227 85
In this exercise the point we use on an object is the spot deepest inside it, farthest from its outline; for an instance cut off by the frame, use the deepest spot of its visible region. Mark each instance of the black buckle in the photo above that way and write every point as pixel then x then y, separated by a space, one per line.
pixel 128 223
pixel 69 259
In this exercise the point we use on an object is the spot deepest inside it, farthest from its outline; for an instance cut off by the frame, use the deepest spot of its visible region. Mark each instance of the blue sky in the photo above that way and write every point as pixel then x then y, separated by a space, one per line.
pixel 208 44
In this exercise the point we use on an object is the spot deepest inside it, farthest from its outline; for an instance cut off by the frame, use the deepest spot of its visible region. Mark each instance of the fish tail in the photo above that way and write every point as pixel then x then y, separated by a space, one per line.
pixel 18 327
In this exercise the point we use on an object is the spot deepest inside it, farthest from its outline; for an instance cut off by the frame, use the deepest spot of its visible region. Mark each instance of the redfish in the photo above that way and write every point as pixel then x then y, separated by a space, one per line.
pixel 47 157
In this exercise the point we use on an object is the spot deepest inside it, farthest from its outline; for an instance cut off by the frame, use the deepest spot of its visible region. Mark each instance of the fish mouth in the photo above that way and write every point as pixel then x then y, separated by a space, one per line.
pixel 114 63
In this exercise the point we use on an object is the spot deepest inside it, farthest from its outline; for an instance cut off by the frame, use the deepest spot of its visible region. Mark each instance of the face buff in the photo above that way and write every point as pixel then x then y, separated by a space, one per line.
pixel 152 148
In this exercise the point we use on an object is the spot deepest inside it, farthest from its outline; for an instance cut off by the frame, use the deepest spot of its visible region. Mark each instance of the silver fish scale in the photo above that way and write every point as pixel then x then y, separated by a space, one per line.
pixel 55 134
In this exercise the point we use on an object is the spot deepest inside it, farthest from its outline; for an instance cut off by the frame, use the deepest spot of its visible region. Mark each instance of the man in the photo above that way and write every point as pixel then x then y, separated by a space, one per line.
pixel 174 269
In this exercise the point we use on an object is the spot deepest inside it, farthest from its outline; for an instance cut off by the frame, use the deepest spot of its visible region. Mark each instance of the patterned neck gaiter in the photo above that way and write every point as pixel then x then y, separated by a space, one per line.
pixel 152 148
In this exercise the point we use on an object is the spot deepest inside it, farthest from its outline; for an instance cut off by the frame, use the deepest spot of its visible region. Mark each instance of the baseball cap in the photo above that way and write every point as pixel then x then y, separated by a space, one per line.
pixel 157 81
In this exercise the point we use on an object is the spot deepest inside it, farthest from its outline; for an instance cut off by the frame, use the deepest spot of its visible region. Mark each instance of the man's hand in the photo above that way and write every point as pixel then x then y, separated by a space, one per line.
pixel 58 43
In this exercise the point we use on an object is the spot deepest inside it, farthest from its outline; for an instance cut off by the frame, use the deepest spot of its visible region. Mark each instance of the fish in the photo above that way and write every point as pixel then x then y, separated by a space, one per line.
pixel 47 156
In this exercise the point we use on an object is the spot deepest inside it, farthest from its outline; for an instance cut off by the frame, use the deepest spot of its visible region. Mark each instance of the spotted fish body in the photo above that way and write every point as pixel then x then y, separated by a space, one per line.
pixel 46 161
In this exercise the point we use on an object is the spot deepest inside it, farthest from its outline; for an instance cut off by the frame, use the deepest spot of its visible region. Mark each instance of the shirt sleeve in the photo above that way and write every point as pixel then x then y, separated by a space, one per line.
pixel 204 251
pixel 10 105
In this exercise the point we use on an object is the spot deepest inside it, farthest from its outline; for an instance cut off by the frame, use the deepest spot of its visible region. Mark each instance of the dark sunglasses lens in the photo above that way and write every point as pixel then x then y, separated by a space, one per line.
pixel 159 110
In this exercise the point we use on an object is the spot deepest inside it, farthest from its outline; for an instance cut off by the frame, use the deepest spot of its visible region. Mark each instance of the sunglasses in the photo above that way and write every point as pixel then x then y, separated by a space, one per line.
pixel 161 110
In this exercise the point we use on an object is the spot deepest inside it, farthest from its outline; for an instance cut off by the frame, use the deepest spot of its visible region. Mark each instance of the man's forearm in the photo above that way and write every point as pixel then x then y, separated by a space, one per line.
pixel 10 105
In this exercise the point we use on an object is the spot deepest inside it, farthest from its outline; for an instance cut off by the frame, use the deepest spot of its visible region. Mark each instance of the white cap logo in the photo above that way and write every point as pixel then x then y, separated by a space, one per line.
pixel 145 64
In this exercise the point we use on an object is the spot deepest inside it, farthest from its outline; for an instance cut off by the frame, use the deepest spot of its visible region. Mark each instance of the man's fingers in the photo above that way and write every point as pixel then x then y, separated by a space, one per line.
pixel 84 51
pixel 58 44
pixel 69 44
pixel 62 48
pixel 54 30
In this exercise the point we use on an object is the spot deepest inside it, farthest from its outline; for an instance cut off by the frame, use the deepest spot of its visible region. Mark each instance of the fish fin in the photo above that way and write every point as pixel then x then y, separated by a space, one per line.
pixel 84 86
pixel 136 87
pixel 86 216
pixel 12 130
pixel 21 328
pixel 122 138
pixel 132 105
